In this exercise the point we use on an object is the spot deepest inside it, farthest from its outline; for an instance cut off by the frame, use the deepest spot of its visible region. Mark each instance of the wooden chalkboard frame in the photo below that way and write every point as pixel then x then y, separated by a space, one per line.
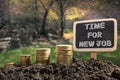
pixel 95 49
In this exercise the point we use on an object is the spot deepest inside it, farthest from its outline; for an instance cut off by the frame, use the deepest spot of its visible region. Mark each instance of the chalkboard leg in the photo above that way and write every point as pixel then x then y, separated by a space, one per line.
pixel 93 55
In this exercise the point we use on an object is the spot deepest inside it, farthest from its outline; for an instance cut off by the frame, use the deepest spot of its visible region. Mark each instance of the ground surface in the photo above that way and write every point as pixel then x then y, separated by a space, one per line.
pixel 78 70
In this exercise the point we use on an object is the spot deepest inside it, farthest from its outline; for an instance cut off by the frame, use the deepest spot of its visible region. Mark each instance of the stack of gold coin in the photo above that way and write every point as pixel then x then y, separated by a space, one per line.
pixel 9 65
pixel 25 60
pixel 64 54
pixel 43 56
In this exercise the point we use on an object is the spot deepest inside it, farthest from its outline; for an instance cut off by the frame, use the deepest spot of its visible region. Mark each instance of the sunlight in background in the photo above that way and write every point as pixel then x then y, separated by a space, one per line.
pixel 52 15
pixel 70 14
pixel 73 13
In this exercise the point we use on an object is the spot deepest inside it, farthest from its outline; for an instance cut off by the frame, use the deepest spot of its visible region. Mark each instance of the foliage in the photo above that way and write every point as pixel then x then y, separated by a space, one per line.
pixel 12 55
pixel 110 2
pixel 55 18
pixel 7 56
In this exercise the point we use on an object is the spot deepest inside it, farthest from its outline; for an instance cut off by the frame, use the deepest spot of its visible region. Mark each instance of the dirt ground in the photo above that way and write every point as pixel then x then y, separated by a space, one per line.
pixel 78 70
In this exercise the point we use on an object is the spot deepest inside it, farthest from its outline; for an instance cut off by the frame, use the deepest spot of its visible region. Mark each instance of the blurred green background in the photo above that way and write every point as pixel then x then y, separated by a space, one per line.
pixel 12 55
pixel 26 25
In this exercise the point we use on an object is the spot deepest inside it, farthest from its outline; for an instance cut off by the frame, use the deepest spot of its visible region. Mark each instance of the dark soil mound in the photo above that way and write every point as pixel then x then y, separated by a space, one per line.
pixel 79 70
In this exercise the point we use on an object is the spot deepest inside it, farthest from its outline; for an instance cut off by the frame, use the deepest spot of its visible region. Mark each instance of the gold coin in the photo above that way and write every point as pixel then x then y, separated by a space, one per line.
pixel 64 60
pixel 43 50
pixel 42 57
pixel 25 60
pixel 64 52
pixel 39 58
pixel 64 56
pixel 63 47
pixel 23 57
pixel 8 65
pixel 43 54
pixel 43 62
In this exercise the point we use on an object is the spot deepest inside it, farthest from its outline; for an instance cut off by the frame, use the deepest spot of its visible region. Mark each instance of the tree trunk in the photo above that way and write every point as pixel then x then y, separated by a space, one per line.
pixel 42 30
pixel 44 20
pixel 62 27
pixel 4 13
pixel 6 10
pixel 1 10
pixel 36 17
pixel 61 20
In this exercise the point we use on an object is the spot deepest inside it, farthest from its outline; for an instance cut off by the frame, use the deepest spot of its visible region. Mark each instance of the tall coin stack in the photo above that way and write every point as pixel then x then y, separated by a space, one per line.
pixel 43 56
pixel 64 54
pixel 25 60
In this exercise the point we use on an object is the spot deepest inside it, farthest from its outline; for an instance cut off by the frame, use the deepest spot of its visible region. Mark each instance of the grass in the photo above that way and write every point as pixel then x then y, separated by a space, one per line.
pixel 12 55
pixel 111 56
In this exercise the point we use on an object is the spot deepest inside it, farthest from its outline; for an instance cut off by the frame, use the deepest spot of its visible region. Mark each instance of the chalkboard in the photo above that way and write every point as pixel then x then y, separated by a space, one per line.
pixel 95 35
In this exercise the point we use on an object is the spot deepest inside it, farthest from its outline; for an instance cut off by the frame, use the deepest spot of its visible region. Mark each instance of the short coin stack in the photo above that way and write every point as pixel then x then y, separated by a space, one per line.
pixel 64 54
pixel 9 65
pixel 25 60
pixel 43 56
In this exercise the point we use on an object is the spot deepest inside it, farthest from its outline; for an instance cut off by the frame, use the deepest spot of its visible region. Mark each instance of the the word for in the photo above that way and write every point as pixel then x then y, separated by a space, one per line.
pixel 94 34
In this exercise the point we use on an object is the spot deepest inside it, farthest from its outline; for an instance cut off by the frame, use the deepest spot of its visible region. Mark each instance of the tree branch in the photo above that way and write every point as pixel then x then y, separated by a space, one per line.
pixel 3 24
pixel 43 5
pixel 50 4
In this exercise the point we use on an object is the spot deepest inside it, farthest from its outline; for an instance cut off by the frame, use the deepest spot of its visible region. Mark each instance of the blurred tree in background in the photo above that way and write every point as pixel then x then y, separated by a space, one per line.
pixel 4 13
pixel 46 6
pixel 43 18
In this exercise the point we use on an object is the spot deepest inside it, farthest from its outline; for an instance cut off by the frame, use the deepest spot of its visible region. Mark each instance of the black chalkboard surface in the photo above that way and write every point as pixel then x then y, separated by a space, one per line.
pixel 95 35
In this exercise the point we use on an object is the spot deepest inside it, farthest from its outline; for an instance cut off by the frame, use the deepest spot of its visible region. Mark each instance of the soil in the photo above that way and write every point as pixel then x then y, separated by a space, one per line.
pixel 78 70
